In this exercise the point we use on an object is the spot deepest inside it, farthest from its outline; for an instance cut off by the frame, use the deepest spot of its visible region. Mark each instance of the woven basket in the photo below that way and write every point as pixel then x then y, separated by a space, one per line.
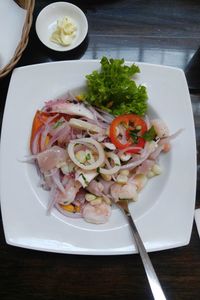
pixel 29 6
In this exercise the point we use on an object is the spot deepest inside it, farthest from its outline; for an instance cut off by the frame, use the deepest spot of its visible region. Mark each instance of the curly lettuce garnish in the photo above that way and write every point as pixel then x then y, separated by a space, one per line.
pixel 113 89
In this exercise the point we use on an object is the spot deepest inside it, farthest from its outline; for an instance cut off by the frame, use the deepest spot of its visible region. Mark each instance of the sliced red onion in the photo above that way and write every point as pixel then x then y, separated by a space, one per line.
pixel 170 137
pixel 154 155
pixel 35 143
pixel 49 103
pixel 96 114
pixel 58 183
pixel 95 122
pixel 145 167
pixel 44 135
pixel 128 149
pixel 106 186
pixel 117 164
pixel 68 108
pixel 64 131
pixel 133 164
pixel 50 119
pixel 98 137
pixel 108 117
pixel 52 202
pixel 83 125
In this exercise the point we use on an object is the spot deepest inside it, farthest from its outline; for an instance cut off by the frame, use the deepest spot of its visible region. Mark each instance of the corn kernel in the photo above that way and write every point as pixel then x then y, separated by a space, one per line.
pixel 124 172
pixel 81 156
pixel 106 177
pixel 122 179
pixel 97 201
pixel 150 174
pixel 90 197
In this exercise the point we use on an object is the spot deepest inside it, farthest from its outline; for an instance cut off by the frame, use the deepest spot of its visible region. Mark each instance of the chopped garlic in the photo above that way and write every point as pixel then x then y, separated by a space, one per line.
pixel 64 33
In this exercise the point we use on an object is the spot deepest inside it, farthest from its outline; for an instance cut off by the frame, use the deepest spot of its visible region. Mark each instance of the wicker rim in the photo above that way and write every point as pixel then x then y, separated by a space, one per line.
pixel 24 39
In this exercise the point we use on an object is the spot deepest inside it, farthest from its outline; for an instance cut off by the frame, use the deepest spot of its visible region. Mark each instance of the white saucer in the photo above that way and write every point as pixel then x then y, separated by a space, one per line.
pixel 47 20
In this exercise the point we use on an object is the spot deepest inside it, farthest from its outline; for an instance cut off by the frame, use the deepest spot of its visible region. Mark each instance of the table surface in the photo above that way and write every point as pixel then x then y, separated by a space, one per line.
pixel 162 32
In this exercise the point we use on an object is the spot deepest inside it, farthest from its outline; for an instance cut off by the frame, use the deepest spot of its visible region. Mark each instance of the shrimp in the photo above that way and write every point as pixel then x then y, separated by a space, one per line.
pixel 126 191
pixel 70 191
pixel 69 108
pixel 97 214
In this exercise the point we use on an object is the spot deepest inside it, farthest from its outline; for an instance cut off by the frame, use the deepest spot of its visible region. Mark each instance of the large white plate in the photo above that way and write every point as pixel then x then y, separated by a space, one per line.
pixel 165 209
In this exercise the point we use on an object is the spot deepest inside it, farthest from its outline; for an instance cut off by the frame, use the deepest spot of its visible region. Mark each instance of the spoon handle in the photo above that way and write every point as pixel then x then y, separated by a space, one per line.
pixel 149 269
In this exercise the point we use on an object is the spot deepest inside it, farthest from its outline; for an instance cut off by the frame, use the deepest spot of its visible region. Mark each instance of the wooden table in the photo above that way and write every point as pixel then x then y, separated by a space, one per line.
pixel 164 32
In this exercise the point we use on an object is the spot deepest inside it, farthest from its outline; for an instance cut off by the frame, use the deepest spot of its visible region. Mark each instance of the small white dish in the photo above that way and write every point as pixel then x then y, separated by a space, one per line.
pixel 47 20
pixel 164 212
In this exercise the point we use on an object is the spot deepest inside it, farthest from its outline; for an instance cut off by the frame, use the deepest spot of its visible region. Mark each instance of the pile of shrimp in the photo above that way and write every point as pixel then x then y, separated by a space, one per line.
pixel 84 172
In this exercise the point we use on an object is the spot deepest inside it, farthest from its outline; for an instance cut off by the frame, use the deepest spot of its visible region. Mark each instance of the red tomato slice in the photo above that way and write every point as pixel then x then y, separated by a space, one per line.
pixel 131 122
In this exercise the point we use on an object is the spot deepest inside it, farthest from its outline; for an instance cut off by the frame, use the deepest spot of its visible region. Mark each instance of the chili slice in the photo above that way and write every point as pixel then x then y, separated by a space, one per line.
pixel 133 125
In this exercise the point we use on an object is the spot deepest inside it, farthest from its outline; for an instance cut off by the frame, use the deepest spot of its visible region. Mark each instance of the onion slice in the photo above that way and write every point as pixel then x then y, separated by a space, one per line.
pixel 84 141
pixel 83 125
pixel 117 163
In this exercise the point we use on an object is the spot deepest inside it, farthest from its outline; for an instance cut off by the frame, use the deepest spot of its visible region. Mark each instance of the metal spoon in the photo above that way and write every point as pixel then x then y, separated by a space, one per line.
pixel 149 269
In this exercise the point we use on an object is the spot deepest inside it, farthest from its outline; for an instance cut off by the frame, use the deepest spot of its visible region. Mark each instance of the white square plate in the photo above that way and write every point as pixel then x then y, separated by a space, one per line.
pixel 165 209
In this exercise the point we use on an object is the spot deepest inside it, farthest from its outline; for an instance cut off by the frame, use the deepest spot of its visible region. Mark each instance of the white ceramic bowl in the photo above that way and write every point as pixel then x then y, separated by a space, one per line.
pixel 47 20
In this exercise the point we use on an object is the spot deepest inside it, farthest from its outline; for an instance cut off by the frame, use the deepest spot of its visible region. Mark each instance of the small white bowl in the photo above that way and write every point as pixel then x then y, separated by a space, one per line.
pixel 47 20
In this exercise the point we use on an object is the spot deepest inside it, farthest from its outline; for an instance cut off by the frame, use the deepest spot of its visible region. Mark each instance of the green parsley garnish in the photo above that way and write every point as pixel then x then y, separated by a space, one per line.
pixel 86 182
pixel 58 123
pixel 113 89
pixel 150 134
pixel 134 135
pixel 88 156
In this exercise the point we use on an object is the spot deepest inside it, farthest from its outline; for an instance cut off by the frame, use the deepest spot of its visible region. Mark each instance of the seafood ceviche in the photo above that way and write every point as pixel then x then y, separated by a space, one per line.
pixel 89 158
